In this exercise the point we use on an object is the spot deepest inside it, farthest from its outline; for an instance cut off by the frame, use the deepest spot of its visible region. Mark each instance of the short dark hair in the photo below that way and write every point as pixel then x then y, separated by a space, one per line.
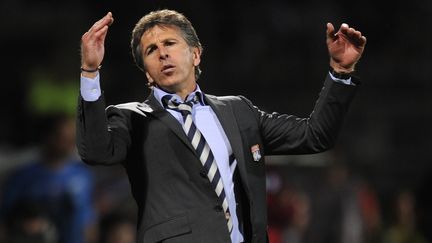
pixel 163 17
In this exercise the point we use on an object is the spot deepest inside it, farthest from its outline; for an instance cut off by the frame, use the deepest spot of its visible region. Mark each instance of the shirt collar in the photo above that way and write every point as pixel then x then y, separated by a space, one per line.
pixel 160 93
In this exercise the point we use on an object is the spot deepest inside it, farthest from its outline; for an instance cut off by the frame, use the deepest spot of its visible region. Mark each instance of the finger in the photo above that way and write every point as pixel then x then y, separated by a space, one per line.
pixel 363 41
pixel 101 33
pixel 344 28
pixel 350 34
pixel 84 36
pixel 106 20
pixel 357 33
pixel 110 18
pixel 330 31
pixel 356 37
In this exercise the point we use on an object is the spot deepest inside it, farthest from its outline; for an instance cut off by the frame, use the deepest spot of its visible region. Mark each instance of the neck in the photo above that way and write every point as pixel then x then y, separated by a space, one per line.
pixel 182 92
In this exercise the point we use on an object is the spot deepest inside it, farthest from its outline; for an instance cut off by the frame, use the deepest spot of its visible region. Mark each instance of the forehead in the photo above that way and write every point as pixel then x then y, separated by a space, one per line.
pixel 160 33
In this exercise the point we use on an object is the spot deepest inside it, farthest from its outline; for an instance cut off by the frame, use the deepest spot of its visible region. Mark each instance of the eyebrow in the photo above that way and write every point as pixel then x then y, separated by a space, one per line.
pixel 154 45
pixel 149 47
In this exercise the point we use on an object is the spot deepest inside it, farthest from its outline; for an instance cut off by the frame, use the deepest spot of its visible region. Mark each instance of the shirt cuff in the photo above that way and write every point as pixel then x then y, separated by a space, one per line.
pixel 342 81
pixel 90 88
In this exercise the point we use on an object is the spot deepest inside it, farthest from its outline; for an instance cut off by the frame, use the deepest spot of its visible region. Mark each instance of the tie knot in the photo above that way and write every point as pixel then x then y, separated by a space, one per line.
pixel 183 107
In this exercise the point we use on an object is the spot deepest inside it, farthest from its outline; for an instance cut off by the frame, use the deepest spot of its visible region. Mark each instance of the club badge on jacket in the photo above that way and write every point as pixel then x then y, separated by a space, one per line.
pixel 256 153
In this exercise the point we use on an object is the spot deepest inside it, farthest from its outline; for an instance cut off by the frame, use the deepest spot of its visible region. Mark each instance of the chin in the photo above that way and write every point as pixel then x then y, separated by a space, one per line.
pixel 170 81
pixel 168 84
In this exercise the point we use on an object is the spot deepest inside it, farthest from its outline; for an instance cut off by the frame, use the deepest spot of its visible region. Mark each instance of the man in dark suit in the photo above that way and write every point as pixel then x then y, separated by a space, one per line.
pixel 196 161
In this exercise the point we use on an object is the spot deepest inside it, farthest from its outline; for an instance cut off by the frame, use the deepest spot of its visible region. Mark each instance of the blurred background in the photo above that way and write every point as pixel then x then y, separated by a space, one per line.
pixel 374 186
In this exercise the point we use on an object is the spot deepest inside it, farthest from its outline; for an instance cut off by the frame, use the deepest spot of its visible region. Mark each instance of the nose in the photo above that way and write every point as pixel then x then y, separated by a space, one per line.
pixel 163 53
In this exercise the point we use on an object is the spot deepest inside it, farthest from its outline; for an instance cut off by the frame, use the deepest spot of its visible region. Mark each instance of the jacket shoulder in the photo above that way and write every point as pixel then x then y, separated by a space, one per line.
pixel 229 98
pixel 236 100
pixel 136 107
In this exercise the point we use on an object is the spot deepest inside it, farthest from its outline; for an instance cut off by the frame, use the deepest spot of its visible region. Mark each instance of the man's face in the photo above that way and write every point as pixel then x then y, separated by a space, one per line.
pixel 169 61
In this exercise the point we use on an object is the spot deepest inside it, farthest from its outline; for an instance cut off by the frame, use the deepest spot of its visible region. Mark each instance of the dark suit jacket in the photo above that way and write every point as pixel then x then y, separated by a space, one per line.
pixel 176 202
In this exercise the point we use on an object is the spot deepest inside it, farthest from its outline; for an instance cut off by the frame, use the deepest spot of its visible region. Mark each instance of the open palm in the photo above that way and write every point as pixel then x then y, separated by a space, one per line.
pixel 345 47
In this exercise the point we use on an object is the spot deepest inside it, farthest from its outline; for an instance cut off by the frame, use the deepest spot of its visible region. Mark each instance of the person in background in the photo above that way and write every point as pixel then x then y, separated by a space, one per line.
pixel 117 227
pixel 404 228
pixel 55 189
pixel 29 222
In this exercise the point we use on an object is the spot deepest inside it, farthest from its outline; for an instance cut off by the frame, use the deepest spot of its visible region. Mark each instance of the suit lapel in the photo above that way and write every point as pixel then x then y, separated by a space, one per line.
pixel 164 116
pixel 228 121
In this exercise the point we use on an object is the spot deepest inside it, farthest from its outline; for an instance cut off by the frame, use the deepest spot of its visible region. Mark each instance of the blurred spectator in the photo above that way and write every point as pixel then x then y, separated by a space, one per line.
pixel 323 205
pixel 344 210
pixel 117 228
pixel 57 184
pixel 289 215
pixel 404 229
pixel 370 214
pixel 28 222
pixel 112 191
pixel 299 223
pixel 335 211
pixel 280 213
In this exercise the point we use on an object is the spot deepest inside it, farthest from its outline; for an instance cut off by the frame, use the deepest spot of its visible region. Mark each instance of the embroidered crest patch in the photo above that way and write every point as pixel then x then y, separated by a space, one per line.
pixel 256 153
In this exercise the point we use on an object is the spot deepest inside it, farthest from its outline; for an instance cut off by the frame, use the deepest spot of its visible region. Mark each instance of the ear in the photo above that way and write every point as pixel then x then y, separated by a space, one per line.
pixel 196 55
pixel 149 78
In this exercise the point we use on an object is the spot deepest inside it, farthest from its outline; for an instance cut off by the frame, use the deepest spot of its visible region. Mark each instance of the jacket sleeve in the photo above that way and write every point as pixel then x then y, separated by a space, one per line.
pixel 288 134
pixel 103 135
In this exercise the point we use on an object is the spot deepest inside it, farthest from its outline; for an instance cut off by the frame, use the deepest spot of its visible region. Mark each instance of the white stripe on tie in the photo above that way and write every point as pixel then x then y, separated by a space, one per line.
pixel 230 225
pixel 219 187
pixel 185 107
pixel 205 154
pixel 187 124
pixel 196 139
pixel 225 204
pixel 212 171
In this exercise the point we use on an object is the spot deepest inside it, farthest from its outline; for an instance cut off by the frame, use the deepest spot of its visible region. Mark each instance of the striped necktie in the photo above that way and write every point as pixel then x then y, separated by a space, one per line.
pixel 202 149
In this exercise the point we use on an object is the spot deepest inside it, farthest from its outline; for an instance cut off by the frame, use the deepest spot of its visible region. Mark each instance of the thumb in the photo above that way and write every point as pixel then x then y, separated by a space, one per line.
pixel 330 31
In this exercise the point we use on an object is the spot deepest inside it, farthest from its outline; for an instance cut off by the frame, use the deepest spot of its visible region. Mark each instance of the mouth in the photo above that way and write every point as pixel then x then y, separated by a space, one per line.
pixel 167 69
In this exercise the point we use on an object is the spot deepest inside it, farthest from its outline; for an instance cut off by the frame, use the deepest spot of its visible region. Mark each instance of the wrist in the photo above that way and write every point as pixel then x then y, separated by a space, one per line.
pixel 336 67
pixel 89 75
pixel 341 73
pixel 90 72
pixel 87 69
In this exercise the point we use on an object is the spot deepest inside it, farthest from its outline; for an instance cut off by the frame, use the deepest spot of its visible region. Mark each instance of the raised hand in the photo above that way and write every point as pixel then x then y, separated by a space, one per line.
pixel 345 47
pixel 92 43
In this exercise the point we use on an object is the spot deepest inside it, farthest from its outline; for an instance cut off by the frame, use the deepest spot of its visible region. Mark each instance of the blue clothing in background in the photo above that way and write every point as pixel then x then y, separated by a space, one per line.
pixel 64 194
